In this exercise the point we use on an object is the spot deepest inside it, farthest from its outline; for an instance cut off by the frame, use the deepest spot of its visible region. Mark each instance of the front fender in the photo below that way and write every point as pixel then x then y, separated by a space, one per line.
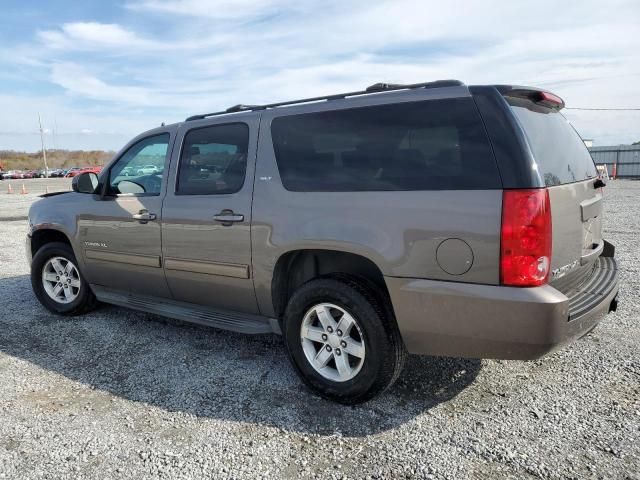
pixel 57 214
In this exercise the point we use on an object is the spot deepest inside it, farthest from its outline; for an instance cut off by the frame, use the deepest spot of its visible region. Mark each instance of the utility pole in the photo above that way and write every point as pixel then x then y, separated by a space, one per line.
pixel 44 151
pixel 55 133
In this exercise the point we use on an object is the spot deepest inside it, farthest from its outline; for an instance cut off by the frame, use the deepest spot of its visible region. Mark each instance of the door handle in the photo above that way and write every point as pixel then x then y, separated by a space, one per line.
pixel 144 216
pixel 227 217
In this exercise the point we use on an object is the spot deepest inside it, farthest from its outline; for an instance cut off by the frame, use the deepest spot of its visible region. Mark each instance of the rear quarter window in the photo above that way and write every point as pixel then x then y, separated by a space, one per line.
pixel 560 154
pixel 427 145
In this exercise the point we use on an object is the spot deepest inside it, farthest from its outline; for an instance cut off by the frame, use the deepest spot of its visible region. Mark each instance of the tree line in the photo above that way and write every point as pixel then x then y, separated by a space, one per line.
pixel 12 160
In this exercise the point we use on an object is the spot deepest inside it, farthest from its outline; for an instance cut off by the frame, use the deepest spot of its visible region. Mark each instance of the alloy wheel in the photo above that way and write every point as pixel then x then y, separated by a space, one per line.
pixel 332 342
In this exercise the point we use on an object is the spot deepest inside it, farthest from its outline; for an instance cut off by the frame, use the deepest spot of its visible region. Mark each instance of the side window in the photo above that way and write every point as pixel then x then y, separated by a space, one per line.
pixel 213 160
pixel 140 170
pixel 426 145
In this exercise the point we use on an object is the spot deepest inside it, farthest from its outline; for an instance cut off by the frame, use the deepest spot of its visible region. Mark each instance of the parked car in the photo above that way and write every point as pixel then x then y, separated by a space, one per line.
pixel 72 172
pixel 12 175
pixel 148 170
pixel 42 173
pixel 56 173
pixel 77 171
pixel 434 218
pixel 95 169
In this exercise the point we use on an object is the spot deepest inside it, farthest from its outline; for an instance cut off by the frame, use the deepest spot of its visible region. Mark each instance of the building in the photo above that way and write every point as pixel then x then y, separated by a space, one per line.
pixel 626 158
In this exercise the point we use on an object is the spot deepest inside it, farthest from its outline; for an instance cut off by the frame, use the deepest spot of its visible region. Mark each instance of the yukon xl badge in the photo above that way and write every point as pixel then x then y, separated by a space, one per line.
pixel 562 271
pixel 95 244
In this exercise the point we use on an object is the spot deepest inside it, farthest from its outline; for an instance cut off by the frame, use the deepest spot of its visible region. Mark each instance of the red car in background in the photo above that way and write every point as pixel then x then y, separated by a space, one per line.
pixel 73 172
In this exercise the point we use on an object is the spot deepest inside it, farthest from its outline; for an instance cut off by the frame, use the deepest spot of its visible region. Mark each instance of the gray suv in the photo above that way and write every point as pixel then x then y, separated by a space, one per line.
pixel 433 218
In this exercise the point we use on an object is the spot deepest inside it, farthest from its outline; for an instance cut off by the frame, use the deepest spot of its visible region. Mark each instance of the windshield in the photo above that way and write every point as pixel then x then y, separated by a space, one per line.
pixel 560 154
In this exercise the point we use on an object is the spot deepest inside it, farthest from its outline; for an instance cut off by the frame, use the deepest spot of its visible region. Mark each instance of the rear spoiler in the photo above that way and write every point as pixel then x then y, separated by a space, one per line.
pixel 536 95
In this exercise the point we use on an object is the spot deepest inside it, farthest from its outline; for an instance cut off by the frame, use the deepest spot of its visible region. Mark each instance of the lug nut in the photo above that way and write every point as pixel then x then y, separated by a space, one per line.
pixel 324 337
pixel 329 329
pixel 339 332
pixel 328 348
pixel 338 352
pixel 57 278
pixel 343 344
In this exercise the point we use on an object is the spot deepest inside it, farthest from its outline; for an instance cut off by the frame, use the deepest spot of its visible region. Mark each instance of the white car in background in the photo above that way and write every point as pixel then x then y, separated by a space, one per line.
pixel 148 170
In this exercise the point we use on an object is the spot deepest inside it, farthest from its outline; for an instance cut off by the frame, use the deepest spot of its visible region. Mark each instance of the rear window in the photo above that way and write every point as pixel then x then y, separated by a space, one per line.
pixel 560 154
pixel 428 145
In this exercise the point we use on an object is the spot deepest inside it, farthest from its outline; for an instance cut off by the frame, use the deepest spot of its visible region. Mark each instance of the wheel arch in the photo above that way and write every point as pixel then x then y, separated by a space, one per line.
pixel 42 236
pixel 296 267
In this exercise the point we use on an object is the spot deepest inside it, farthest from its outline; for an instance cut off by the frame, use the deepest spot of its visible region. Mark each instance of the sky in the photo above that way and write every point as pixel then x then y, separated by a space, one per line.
pixel 100 72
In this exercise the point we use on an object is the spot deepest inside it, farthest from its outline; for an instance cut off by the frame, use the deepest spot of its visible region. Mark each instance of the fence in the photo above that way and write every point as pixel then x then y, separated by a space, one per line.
pixel 626 159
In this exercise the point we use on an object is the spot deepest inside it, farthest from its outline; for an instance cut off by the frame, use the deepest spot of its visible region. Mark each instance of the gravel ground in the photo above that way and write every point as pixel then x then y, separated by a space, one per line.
pixel 120 394
pixel 15 206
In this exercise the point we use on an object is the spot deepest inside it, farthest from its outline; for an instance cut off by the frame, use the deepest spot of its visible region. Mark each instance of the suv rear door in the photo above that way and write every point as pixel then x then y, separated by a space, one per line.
pixel 568 171
pixel 206 216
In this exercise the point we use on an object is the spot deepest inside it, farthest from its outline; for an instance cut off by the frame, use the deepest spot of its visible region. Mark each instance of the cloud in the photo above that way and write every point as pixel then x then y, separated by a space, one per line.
pixel 168 59
pixel 220 9
pixel 93 35
pixel 76 80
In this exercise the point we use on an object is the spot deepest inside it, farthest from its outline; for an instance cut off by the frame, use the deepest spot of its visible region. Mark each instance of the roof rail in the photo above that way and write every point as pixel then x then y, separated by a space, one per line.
pixel 241 108
pixel 375 88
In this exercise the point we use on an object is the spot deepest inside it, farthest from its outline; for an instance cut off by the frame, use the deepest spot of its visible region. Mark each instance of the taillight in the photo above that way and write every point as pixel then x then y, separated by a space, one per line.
pixel 525 239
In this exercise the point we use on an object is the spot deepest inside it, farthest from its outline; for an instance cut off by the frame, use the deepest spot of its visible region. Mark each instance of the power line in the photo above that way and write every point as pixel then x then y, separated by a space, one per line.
pixel 605 109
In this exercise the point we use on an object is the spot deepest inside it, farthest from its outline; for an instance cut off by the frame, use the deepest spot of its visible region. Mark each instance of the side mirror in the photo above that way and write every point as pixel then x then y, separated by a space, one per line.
pixel 85 183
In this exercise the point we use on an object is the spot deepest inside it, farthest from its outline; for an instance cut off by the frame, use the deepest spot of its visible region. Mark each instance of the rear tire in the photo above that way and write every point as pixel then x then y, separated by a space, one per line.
pixel 66 292
pixel 350 366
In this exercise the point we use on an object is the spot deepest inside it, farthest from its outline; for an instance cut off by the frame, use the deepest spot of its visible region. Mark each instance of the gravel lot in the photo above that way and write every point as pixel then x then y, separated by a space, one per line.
pixel 120 394
pixel 15 206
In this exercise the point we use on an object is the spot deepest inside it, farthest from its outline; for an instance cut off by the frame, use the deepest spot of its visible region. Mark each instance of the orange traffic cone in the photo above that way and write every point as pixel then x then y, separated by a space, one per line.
pixel 23 190
pixel 10 189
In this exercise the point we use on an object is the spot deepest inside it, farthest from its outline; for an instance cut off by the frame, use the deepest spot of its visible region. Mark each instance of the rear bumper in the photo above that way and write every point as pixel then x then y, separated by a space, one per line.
pixel 486 321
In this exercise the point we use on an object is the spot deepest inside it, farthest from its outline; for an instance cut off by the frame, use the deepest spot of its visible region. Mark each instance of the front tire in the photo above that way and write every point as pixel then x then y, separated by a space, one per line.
pixel 342 340
pixel 58 283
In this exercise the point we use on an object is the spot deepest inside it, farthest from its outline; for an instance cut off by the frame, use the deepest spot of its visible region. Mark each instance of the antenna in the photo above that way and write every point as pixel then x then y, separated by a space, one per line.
pixel 44 151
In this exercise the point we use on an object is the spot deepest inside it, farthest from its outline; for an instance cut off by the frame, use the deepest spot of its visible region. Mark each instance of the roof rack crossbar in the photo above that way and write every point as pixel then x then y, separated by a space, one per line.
pixel 375 88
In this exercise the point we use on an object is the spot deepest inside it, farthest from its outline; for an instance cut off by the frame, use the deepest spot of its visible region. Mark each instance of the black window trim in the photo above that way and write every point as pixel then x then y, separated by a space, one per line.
pixel 179 162
pixel 107 182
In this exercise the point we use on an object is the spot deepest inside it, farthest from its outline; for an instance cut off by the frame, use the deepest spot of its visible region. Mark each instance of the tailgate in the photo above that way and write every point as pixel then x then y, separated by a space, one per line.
pixel 567 170
pixel 576 212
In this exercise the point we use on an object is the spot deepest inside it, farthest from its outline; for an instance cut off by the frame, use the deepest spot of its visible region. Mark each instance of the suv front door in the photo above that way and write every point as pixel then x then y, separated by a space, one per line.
pixel 206 218
pixel 120 232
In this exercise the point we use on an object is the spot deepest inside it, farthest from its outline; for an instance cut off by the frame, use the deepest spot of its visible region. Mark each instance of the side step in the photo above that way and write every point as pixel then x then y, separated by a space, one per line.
pixel 209 316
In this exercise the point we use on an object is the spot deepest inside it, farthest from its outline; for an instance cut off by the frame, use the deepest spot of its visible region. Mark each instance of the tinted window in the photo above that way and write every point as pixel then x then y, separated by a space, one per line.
pixel 213 160
pixel 140 170
pixel 428 145
pixel 559 152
